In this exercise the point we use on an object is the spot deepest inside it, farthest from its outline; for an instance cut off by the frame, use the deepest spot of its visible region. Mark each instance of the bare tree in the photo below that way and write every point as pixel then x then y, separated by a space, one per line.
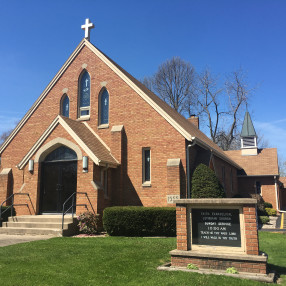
pixel 222 107
pixel 173 82
pixel 220 104
pixel 148 82
pixel 208 102
pixel 4 135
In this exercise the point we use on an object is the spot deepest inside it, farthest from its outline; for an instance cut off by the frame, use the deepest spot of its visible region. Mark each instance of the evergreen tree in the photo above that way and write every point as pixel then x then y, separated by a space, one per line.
pixel 205 184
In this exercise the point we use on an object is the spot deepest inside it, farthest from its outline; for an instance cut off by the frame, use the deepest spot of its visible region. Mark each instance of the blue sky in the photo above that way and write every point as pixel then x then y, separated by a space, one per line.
pixel 36 38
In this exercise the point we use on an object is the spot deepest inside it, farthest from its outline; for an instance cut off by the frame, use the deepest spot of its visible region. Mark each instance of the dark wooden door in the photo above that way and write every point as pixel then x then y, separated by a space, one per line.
pixel 59 181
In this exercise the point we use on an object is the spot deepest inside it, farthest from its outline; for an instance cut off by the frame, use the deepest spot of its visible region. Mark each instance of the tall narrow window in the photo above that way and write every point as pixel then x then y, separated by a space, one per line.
pixel 65 106
pixel 146 160
pixel 84 95
pixel 104 107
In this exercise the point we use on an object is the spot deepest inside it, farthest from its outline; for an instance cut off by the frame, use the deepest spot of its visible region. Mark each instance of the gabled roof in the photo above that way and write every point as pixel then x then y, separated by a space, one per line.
pixel 85 138
pixel 247 127
pixel 180 123
pixel 265 163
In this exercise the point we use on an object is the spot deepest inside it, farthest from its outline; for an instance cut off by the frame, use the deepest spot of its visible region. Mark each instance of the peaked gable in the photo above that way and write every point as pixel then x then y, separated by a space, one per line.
pixel 180 123
pixel 89 142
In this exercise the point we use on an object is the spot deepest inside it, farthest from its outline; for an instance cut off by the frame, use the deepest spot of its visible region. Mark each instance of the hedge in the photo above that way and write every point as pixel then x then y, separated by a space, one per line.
pixel 7 213
pixel 140 221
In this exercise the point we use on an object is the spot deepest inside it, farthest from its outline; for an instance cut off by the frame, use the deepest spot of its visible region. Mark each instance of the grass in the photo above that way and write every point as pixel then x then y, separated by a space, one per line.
pixel 112 261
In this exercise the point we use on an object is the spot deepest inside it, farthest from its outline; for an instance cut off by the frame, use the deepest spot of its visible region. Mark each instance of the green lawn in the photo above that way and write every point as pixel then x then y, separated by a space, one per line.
pixel 112 260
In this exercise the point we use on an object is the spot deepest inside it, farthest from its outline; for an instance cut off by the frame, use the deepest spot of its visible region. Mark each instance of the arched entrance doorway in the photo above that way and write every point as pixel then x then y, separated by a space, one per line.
pixel 58 179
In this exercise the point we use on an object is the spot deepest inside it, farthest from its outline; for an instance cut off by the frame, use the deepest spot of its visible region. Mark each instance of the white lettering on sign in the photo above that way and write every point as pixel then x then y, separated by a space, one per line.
pixel 171 198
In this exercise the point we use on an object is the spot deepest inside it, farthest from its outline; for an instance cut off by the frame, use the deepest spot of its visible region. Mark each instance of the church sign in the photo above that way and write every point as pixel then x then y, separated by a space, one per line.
pixel 218 227
pixel 217 233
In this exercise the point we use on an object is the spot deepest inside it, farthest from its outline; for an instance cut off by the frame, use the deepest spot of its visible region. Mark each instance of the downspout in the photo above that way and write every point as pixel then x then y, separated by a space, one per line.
pixel 276 192
pixel 193 143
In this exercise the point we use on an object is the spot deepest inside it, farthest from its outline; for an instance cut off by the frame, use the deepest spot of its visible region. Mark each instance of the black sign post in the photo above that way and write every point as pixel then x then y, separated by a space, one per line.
pixel 218 227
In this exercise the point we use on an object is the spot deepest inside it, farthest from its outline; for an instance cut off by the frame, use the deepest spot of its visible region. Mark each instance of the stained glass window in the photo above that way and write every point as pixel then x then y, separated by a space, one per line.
pixel 65 106
pixel 62 153
pixel 84 94
pixel 146 165
pixel 104 107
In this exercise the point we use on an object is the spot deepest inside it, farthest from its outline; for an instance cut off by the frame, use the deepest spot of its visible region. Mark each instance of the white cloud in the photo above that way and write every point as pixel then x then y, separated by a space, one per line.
pixel 275 134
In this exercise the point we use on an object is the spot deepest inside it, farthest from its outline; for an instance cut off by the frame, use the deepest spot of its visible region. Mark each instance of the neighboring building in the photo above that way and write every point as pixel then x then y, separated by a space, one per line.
pixel 260 174
pixel 96 129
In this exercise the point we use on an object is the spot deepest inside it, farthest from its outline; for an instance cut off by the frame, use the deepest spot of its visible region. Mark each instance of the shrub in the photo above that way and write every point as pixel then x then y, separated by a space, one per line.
pixel 7 213
pixel 140 221
pixel 260 205
pixel 205 184
pixel 192 266
pixel 88 223
pixel 232 270
pixel 263 219
pixel 270 211
pixel 268 205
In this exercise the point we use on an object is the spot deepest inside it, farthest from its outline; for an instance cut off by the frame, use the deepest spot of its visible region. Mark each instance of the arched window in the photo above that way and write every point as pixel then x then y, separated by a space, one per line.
pixel 84 94
pixel 65 106
pixel 62 153
pixel 104 107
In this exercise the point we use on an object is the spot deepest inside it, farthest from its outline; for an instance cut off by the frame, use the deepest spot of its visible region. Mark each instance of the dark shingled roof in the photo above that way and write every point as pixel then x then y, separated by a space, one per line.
pixel 91 141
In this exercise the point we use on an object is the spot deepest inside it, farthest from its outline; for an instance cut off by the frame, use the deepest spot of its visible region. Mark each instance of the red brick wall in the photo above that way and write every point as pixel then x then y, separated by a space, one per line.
pixel 220 264
pixel 182 227
pixel 247 187
pixel 230 176
pixel 143 126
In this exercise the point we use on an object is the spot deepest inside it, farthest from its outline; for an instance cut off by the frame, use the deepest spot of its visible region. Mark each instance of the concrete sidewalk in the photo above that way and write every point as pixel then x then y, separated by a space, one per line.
pixel 6 239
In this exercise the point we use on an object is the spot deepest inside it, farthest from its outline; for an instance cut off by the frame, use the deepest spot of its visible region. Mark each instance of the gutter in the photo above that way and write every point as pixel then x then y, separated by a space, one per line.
pixel 193 143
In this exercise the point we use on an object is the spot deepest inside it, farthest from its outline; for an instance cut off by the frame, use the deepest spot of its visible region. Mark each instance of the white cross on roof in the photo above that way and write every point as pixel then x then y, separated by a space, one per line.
pixel 86 27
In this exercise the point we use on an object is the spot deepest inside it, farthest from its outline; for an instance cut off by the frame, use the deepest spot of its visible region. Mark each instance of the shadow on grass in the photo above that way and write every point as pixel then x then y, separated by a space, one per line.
pixel 280 270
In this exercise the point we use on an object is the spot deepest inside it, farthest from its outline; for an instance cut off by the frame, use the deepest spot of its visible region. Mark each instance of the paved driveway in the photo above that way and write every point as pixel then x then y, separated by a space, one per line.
pixel 6 239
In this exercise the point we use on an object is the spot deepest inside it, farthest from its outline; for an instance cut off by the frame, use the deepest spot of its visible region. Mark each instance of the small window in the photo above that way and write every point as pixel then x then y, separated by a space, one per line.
pixel 84 95
pixel 104 107
pixel 65 106
pixel 258 188
pixel 146 160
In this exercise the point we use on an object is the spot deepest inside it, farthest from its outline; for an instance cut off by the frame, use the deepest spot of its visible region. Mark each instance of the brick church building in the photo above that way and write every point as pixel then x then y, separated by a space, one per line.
pixel 97 131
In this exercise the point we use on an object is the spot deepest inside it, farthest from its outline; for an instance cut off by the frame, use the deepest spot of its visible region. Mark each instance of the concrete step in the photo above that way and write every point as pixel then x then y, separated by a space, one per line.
pixel 30 231
pixel 42 218
pixel 35 225
pixel 40 225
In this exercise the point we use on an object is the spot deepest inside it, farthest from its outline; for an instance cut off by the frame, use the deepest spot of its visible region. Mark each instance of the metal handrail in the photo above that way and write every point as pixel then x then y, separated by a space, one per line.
pixel 12 205
pixel 72 196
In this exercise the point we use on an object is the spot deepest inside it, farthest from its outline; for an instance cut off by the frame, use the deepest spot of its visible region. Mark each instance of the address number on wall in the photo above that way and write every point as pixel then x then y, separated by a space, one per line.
pixel 171 198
